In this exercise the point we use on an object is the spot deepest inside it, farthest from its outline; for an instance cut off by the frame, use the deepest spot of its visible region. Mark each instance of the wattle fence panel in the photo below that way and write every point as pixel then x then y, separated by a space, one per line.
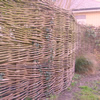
pixel 38 44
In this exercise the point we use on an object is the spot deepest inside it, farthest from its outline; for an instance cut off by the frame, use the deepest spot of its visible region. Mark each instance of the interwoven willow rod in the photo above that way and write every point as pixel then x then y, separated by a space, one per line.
pixel 38 43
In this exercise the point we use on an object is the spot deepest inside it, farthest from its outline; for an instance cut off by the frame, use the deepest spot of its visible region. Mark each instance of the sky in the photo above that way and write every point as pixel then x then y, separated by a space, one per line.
pixel 98 0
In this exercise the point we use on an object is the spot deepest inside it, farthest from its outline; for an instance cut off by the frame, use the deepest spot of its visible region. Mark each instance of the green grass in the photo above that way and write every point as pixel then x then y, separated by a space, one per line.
pixel 76 77
pixel 87 93
pixel 74 83
pixel 69 88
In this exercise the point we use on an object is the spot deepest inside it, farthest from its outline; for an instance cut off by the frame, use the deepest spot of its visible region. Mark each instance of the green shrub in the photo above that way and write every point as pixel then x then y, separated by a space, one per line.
pixel 83 65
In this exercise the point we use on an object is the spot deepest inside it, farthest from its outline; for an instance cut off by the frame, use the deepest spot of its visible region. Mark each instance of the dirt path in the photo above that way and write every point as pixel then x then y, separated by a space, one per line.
pixel 92 81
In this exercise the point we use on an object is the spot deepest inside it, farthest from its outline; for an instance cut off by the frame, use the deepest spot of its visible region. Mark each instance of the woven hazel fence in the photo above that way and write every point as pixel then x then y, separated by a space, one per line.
pixel 38 44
